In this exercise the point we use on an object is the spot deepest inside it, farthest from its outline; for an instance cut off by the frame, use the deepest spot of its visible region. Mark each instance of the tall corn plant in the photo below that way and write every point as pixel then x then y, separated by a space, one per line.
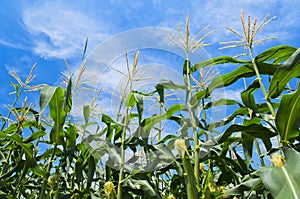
pixel 226 168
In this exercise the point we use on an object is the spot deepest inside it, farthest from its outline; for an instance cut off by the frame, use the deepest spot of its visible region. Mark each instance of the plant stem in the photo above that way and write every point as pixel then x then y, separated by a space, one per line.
pixel 264 90
pixel 42 196
pixel 265 93
pixel 262 162
pixel 121 174
pixel 194 123
pixel 192 192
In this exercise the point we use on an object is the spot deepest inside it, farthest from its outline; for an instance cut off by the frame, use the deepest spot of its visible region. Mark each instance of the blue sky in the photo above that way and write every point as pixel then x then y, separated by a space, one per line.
pixel 46 32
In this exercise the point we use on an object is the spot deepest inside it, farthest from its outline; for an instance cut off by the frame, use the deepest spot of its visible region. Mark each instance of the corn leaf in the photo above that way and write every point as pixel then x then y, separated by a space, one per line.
pixel 287 118
pixel 283 182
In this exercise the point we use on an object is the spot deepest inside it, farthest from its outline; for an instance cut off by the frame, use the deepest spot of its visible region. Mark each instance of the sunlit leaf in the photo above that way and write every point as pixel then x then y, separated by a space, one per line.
pixel 46 95
pixel 86 113
pixel 27 147
pixel 283 182
pixel 276 54
pixel 290 69
pixel 248 97
pixel 57 114
pixel 144 186
pixel 253 129
pixel 216 61
pixel 240 72
pixel 71 136
pixel 287 118
pixel 34 136
pixel 168 84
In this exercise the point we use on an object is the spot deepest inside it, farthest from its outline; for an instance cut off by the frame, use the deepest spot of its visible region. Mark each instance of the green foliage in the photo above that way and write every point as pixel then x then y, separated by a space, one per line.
pixel 283 179
pixel 287 117
pixel 43 153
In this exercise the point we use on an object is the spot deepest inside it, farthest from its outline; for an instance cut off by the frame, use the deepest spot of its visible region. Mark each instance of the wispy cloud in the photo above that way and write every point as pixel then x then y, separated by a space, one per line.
pixel 60 31
pixel 227 13
pixel 10 45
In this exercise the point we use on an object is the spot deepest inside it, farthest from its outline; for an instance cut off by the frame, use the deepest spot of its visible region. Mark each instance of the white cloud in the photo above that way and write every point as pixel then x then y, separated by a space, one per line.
pixel 10 45
pixel 59 31
pixel 227 13
pixel 12 69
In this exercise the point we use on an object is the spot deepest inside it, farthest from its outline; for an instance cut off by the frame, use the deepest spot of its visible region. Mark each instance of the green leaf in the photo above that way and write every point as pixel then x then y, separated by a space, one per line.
pixel 246 185
pixel 18 167
pixel 148 123
pixel 46 95
pixel 91 170
pixel 130 101
pixel 216 61
pixel 277 53
pixel 255 130
pixel 195 99
pixel 243 111
pixel 134 98
pixel 240 72
pixel 57 114
pixel 27 147
pixel 248 140
pixel 248 97
pixel 287 118
pixel 293 61
pixel 145 186
pixel 206 182
pixel 68 97
pixel 160 156
pixel 168 84
pixel 283 182
pixel 221 102
pixel 186 67
pixel 111 126
pixel 230 78
pixel 78 170
pixel 34 136
pixel 71 136
pixel 86 113
pixel 140 105
pixel 290 69
pixel 160 89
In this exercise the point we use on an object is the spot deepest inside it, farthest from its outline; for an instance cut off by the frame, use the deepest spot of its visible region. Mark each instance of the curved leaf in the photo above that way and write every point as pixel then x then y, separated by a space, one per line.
pixel 248 97
pixel 58 114
pixel 287 118
pixel 216 61
pixel 168 84
pixel 255 130
pixel 86 113
pixel 290 69
pixel 277 53
pixel 27 147
pixel 145 186
pixel 242 71
pixel 221 102
pixel 46 95
pixel 283 182
pixel 68 97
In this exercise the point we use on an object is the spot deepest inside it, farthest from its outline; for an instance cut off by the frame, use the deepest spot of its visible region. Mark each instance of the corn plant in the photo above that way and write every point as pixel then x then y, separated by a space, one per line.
pixel 251 153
